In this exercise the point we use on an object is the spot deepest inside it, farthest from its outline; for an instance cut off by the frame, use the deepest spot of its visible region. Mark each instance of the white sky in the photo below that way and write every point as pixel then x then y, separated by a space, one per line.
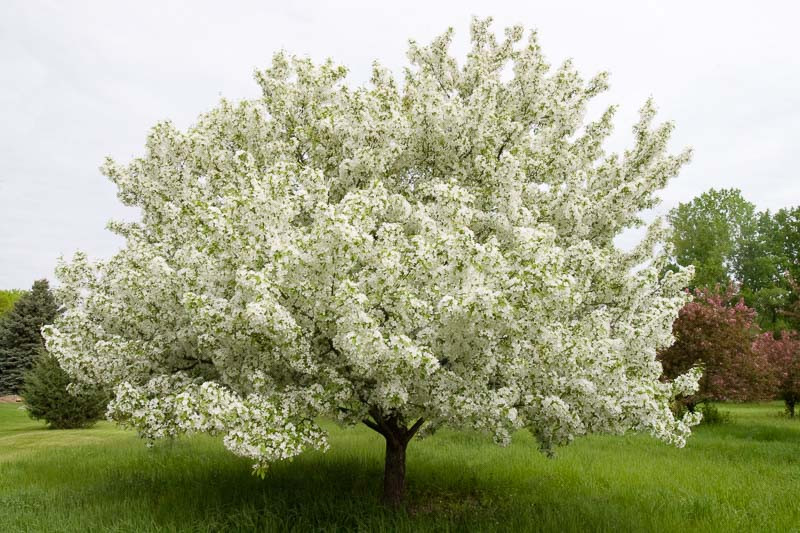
pixel 82 80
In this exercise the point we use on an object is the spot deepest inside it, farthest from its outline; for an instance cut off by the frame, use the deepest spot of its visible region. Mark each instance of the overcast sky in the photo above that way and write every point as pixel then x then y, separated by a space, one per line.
pixel 82 80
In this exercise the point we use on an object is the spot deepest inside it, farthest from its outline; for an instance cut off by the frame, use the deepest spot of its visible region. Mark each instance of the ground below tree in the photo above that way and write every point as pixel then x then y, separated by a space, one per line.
pixel 733 477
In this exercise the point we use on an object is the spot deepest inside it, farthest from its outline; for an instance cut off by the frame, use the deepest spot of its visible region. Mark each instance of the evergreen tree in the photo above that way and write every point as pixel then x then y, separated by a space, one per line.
pixel 46 397
pixel 20 335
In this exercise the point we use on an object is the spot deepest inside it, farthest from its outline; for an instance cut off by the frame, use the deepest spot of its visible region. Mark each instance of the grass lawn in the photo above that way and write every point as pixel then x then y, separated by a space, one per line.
pixel 741 476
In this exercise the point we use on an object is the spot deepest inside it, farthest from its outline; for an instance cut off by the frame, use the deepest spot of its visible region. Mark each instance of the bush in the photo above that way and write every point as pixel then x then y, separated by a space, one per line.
pixel 46 397
pixel 712 414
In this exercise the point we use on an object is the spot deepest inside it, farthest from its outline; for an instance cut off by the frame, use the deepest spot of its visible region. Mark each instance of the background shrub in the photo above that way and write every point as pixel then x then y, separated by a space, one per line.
pixel 712 414
pixel 46 397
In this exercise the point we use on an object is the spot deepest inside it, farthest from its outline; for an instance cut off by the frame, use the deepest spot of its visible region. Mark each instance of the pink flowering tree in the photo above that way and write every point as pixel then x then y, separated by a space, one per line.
pixel 715 332
pixel 782 352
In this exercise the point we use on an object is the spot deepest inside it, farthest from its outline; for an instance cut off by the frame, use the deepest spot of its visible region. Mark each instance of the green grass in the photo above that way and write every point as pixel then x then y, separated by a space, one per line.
pixel 741 476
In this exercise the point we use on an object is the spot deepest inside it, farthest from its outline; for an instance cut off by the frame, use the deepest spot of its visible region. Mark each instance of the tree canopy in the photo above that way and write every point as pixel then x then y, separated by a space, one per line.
pixel 707 233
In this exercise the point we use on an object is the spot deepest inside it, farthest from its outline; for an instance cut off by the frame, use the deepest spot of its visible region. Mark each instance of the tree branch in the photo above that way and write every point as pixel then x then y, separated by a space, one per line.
pixel 373 426
pixel 413 429
pixel 194 363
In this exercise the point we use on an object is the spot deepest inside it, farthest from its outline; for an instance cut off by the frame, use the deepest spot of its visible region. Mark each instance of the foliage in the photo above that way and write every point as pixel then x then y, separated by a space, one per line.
pixel 47 398
pixel 437 252
pixel 783 353
pixel 787 239
pixel 758 266
pixel 770 302
pixel 761 266
pixel 20 334
pixel 715 332
pixel 757 261
pixel 727 240
pixel 707 232
pixel 713 414
pixel 790 311
pixel 7 299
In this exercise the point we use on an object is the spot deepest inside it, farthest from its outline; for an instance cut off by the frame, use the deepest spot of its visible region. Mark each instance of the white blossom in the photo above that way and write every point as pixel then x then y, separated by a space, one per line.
pixel 441 248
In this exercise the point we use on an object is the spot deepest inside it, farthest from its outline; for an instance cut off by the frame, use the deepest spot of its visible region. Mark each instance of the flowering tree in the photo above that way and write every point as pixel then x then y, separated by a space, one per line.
pixel 715 332
pixel 407 256
pixel 783 354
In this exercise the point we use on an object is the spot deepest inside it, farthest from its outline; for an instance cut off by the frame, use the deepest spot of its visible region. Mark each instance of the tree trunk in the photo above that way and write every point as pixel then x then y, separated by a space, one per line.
pixel 790 408
pixel 394 472
pixel 397 435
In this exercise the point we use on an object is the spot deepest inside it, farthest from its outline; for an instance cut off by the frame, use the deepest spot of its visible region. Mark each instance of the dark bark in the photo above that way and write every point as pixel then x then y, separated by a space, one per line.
pixel 394 473
pixel 790 407
pixel 397 436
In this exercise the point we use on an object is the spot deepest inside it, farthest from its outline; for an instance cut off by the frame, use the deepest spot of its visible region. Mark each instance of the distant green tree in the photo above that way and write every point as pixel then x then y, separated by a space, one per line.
pixel 769 302
pixel 758 260
pixel 7 299
pixel 790 313
pixel 787 239
pixel 20 335
pixel 767 254
pixel 47 398
pixel 726 239
pixel 707 232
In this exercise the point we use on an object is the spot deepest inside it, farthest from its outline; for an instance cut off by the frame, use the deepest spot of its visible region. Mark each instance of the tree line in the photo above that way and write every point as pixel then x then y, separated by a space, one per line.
pixel 729 241
pixel 742 325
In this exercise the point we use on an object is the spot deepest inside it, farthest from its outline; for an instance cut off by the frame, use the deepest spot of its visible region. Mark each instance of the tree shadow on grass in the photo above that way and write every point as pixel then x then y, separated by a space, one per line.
pixel 197 485
pixel 177 488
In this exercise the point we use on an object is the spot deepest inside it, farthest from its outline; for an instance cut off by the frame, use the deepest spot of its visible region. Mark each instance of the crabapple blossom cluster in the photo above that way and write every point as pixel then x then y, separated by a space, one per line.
pixel 438 249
